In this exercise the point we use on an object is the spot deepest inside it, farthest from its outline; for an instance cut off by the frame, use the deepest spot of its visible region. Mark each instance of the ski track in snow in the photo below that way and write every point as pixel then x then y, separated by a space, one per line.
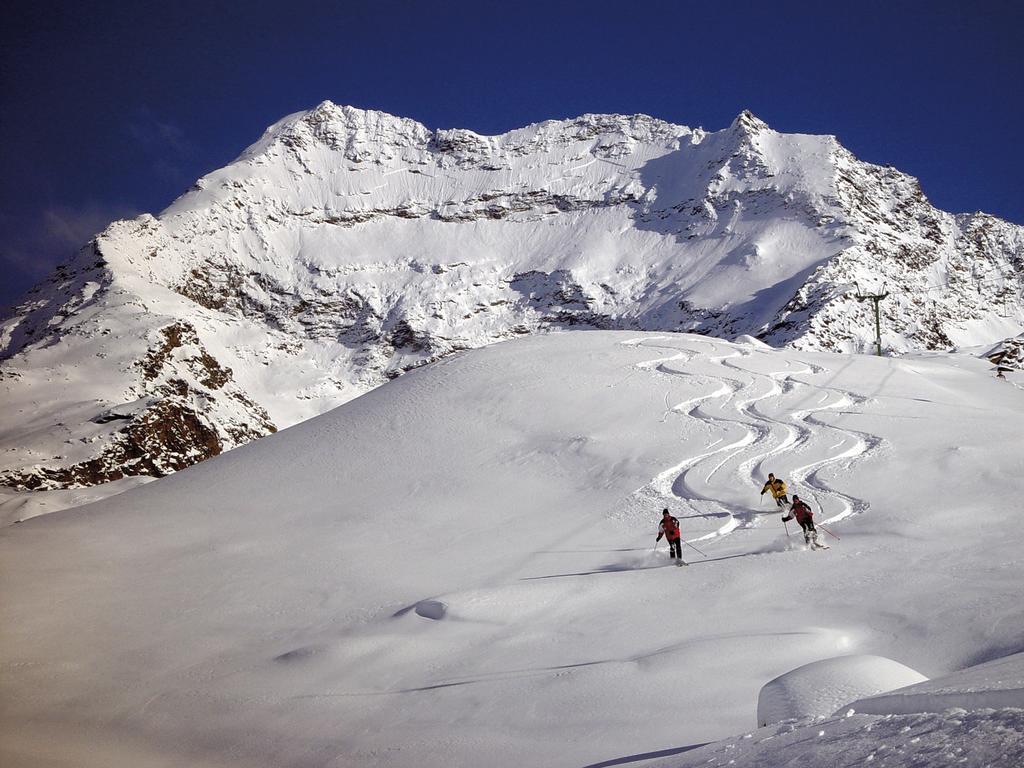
pixel 736 401
pixel 741 403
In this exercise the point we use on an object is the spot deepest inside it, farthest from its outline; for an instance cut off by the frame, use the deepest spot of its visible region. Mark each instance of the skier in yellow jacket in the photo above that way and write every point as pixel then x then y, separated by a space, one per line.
pixel 778 488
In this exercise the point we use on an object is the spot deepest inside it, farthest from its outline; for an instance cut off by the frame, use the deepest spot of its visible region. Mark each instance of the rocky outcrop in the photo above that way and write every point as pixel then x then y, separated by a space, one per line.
pixel 1007 355
pixel 168 436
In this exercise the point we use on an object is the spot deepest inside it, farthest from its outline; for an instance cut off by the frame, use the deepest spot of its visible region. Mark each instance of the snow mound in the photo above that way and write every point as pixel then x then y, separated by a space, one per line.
pixel 752 342
pixel 994 685
pixel 820 688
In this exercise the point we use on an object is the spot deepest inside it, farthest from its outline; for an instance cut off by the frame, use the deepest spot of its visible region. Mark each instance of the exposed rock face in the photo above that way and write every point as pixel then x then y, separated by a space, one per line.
pixel 169 427
pixel 1007 355
pixel 165 437
pixel 348 246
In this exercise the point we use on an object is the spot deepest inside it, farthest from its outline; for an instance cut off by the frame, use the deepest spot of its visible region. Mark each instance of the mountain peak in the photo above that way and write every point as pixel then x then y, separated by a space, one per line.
pixel 363 134
pixel 327 113
pixel 747 122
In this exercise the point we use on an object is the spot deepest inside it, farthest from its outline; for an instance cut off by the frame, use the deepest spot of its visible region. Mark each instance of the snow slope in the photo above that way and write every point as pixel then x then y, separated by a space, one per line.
pixel 457 568
pixel 347 246
pixel 954 737
pixel 974 717
pixel 996 684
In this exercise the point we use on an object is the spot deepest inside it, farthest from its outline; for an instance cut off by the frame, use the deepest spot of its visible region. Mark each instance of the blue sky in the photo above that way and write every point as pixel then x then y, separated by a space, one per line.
pixel 108 109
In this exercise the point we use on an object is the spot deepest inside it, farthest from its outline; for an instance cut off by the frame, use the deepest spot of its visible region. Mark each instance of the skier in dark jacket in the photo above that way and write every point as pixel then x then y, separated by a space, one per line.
pixel 669 528
pixel 805 516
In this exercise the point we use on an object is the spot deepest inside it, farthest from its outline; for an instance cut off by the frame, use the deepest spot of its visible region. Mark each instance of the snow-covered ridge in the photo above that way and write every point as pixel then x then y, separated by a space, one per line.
pixel 346 246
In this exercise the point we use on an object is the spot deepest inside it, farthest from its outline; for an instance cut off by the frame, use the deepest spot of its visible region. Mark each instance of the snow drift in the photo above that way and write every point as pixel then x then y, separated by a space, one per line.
pixel 995 685
pixel 819 688
pixel 970 718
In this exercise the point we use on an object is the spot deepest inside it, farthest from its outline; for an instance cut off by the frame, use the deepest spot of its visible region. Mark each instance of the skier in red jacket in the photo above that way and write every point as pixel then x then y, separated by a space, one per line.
pixel 805 516
pixel 669 528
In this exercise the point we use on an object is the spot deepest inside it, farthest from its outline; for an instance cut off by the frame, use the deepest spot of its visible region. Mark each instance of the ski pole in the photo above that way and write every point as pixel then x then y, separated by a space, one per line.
pixel 786 525
pixel 826 530
pixel 691 546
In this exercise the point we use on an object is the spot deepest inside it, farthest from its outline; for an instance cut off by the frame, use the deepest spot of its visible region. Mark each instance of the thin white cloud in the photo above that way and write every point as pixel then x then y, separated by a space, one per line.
pixel 70 227
pixel 158 136
pixel 28 254
pixel 163 143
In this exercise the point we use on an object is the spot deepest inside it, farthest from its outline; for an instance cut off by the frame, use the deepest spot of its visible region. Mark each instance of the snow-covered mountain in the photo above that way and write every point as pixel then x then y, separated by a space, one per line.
pixel 457 569
pixel 347 246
